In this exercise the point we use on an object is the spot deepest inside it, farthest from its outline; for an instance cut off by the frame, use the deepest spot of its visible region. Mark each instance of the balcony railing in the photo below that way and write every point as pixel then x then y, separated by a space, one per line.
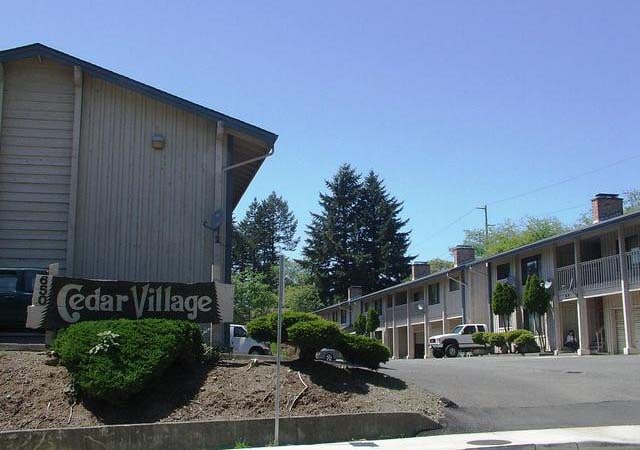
pixel 602 273
pixel 566 282
pixel 598 275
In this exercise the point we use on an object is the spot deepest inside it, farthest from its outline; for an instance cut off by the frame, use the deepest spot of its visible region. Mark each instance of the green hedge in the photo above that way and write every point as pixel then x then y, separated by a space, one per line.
pixel 363 351
pixel 136 352
pixel 480 337
pixel 265 328
pixel 311 333
pixel 312 336
pixel 526 343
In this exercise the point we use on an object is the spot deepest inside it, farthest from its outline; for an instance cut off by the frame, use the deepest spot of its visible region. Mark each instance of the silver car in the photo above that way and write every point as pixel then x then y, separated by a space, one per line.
pixel 329 354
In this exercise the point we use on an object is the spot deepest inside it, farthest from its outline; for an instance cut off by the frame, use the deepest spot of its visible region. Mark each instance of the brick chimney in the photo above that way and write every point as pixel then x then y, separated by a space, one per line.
pixel 463 254
pixel 354 292
pixel 605 206
pixel 420 269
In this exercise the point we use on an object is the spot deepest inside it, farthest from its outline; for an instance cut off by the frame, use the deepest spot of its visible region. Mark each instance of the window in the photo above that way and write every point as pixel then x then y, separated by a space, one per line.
pixel 8 282
pixel 389 302
pixel 530 266
pixel 28 280
pixel 417 296
pixel 343 316
pixel 434 293
pixel 239 332
pixel 454 285
pixel 378 306
pixel 469 329
pixel 481 329
pixel 503 271
pixel 457 330
pixel 631 243
pixel 334 316
pixel 401 299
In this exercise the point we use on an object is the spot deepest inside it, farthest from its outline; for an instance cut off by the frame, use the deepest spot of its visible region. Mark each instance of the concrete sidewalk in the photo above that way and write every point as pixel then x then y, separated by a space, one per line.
pixel 588 437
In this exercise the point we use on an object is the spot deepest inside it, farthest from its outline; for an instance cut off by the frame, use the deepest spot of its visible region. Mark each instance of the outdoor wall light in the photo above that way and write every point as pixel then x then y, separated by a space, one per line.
pixel 157 141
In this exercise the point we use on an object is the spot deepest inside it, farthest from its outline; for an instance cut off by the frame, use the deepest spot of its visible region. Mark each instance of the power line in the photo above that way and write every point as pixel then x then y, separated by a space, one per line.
pixel 566 180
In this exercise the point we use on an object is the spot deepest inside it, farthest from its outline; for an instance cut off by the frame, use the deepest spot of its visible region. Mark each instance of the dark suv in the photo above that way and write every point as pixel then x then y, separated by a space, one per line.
pixel 16 287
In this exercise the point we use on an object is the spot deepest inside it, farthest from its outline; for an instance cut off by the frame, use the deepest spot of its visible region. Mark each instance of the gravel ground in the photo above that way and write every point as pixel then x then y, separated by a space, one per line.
pixel 34 395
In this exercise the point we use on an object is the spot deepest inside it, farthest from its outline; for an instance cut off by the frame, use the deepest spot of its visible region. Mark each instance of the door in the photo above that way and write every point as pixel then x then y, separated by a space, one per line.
pixel 239 340
pixel 466 337
pixel 620 340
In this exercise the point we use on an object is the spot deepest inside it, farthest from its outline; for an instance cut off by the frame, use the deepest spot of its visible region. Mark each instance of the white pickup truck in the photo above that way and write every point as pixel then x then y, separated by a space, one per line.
pixel 241 342
pixel 460 339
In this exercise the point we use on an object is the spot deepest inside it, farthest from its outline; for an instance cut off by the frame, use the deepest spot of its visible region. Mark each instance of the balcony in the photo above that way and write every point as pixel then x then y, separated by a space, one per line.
pixel 599 276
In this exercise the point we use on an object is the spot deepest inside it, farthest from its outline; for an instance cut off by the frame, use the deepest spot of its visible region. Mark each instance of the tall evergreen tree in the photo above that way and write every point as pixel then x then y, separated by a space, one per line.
pixel 330 251
pixel 357 238
pixel 267 230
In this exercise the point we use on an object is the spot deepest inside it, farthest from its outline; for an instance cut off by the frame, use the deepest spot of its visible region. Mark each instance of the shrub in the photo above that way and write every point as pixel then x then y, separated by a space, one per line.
pixel 363 351
pixel 360 325
pixel 265 328
pixel 480 337
pixel 373 320
pixel 511 336
pixel 496 339
pixel 526 343
pixel 145 349
pixel 312 336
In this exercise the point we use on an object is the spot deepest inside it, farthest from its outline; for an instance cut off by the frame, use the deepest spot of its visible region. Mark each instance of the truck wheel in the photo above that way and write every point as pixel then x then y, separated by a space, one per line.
pixel 255 351
pixel 438 353
pixel 451 351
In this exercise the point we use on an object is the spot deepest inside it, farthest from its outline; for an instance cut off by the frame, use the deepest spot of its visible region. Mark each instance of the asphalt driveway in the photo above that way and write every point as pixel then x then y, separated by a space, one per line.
pixel 498 393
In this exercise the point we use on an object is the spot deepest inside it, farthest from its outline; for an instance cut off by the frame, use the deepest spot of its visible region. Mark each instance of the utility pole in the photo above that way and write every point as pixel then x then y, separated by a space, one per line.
pixel 276 431
pixel 486 224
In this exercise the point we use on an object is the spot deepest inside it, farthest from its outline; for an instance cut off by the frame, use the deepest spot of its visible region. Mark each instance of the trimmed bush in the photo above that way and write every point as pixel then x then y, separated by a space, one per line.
pixel 526 343
pixel 496 339
pixel 265 328
pixel 113 360
pixel 363 351
pixel 511 336
pixel 480 337
pixel 312 336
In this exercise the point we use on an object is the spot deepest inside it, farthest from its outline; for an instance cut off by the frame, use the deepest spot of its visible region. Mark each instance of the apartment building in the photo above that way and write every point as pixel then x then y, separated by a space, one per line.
pixel 593 274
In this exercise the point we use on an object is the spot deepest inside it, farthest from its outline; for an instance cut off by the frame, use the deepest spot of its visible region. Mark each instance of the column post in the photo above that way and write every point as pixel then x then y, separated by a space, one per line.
pixel 426 325
pixel 396 353
pixel 444 308
pixel 410 337
pixel 627 306
pixel 581 305
pixel 383 324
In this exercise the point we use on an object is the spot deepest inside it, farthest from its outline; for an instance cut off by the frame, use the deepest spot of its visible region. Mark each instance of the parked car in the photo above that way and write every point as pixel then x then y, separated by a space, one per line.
pixel 329 354
pixel 243 344
pixel 460 339
pixel 16 289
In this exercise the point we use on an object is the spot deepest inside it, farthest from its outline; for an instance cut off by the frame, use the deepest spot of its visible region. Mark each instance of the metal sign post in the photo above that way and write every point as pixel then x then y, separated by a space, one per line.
pixel 276 437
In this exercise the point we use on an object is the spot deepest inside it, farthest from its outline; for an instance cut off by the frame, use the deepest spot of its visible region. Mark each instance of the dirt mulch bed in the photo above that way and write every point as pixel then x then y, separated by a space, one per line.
pixel 34 395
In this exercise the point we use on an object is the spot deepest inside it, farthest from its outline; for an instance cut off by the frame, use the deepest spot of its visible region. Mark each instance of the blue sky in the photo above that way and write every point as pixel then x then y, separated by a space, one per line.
pixel 454 104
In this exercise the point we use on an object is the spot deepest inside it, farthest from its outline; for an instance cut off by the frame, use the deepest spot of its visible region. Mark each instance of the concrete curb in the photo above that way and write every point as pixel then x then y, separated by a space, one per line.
pixel 222 434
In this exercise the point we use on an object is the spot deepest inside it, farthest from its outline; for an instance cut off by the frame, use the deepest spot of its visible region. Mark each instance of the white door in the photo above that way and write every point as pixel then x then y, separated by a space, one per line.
pixel 620 340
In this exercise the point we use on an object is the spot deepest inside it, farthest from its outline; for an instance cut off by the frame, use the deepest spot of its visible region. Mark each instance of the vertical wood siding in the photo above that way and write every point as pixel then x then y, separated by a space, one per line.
pixel 35 160
pixel 139 210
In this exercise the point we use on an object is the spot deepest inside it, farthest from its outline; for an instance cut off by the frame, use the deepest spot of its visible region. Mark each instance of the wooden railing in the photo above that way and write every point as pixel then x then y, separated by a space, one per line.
pixel 566 282
pixel 600 273
pixel 633 266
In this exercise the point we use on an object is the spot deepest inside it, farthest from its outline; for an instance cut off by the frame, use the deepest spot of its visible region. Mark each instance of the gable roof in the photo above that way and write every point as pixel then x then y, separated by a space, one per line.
pixel 34 50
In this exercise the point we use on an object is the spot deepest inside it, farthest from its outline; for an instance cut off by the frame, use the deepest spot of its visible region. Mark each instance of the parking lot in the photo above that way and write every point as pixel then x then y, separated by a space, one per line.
pixel 516 392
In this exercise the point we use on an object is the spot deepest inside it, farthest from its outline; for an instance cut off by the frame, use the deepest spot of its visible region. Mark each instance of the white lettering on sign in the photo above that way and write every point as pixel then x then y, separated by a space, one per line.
pixel 71 302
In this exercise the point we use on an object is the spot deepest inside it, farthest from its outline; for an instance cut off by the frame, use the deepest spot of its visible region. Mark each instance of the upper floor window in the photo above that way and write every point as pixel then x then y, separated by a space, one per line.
pixel 530 266
pixel 401 299
pixel 503 271
pixel 417 296
pixel 434 293
pixel 454 285
pixel 343 316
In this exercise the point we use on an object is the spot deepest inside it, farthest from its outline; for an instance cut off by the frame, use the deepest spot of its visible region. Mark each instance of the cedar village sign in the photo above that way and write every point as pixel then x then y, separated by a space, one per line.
pixel 59 301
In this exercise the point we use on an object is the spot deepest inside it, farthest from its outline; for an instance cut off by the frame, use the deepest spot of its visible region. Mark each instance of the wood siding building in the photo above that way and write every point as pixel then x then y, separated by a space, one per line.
pixel 82 185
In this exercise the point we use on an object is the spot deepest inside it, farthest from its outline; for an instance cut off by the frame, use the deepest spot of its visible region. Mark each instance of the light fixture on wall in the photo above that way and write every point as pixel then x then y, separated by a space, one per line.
pixel 157 141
